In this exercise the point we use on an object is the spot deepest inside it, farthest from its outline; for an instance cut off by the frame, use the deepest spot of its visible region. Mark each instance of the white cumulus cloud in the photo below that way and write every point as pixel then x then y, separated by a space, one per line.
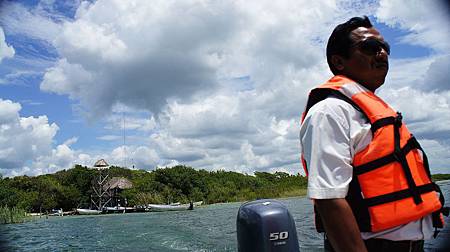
pixel 146 53
pixel 6 51
pixel 220 84
pixel 426 22
pixel 22 139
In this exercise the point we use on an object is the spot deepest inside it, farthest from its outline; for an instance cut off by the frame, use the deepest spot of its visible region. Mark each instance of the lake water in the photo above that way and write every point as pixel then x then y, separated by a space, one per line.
pixel 209 228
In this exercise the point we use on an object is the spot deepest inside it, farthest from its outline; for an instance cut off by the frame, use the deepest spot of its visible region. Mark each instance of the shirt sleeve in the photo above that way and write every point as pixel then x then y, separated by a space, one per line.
pixel 326 147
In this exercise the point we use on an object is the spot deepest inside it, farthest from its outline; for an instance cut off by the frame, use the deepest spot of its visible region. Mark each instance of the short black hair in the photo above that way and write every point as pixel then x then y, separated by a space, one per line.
pixel 340 42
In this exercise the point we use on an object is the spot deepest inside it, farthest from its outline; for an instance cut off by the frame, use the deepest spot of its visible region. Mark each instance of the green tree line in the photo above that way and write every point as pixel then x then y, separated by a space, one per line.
pixel 440 176
pixel 68 189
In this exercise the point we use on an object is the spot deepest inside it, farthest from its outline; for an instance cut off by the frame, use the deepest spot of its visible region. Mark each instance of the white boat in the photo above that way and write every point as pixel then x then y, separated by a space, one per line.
pixel 56 212
pixel 161 208
pixel 83 211
pixel 119 209
pixel 198 203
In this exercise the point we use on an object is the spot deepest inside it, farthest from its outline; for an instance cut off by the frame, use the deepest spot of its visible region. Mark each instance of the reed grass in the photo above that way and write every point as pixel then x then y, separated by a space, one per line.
pixel 297 192
pixel 11 215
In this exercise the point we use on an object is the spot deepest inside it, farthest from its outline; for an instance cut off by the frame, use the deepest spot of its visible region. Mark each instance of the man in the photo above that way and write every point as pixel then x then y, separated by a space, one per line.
pixel 367 175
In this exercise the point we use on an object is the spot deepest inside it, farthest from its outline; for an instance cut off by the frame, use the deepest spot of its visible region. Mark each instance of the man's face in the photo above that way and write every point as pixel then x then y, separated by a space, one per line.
pixel 368 60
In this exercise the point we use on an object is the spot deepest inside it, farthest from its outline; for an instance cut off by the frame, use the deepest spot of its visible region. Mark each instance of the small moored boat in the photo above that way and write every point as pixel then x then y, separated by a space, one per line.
pixel 160 208
pixel 198 203
pixel 83 211
pixel 56 212
pixel 119 209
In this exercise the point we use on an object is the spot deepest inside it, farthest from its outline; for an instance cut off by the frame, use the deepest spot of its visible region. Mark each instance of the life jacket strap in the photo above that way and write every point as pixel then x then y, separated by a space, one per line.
pixel 377 163
pixel 381 123
pixel 401 158
pixel 398 195
pixel 438 221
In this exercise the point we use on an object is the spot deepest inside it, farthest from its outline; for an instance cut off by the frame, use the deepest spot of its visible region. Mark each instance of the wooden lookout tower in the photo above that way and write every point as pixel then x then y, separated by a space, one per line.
pixel 101 196
pixel 116 185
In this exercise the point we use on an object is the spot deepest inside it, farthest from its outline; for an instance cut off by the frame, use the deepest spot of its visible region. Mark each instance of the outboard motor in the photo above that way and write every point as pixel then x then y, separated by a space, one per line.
pixel 266 225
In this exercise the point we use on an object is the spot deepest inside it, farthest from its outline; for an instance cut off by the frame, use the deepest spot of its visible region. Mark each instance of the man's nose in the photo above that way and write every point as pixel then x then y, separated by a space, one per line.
pixel 382 54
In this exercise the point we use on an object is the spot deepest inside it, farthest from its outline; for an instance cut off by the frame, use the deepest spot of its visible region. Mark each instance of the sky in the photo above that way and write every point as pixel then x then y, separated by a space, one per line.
pixel 216 85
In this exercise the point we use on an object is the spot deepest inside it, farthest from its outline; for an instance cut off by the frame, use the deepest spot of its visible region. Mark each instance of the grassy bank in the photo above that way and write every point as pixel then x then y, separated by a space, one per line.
pixel 300 192
pixel 438 177
pixel 11 215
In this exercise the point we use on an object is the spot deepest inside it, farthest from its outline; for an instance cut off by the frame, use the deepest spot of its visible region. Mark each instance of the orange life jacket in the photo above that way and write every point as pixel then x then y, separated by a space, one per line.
pixel 391 182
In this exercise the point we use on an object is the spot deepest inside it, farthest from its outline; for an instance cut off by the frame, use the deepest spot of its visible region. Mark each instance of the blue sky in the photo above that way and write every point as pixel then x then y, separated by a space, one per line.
pixel 223 89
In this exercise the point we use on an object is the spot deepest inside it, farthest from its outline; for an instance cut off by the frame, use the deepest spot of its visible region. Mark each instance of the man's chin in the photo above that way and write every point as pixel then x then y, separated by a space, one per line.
pixel 380 79
pixel 378 84
pixel 375 84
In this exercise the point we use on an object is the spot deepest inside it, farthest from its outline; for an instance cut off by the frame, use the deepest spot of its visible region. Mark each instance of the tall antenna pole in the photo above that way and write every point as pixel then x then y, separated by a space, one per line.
pixel 124 149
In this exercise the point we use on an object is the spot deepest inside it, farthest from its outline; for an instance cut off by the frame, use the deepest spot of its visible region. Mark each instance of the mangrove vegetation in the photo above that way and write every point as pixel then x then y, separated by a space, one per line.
pixel 72 188
pixel 69 189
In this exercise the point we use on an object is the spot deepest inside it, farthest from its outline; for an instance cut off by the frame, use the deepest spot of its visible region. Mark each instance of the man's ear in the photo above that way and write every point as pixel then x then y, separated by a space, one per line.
pixel 338 62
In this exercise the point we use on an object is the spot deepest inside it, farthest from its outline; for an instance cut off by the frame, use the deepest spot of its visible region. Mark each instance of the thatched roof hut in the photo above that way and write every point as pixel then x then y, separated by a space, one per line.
pixel 101 164
pixel 119 183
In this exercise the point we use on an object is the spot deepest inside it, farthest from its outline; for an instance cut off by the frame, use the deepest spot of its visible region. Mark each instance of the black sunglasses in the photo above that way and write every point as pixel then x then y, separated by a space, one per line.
pixel 372 46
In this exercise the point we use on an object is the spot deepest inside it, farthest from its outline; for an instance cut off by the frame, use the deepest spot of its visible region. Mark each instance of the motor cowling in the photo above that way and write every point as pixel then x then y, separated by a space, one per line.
pixel 266 225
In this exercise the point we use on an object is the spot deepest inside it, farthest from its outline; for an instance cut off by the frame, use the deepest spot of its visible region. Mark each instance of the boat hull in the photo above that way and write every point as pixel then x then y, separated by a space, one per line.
pixel 163 208
pixel 120 209
pixel 88 211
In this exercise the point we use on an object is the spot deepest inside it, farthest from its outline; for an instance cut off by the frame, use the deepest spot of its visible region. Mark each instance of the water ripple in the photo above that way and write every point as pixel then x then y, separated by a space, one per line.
pixel 206 229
